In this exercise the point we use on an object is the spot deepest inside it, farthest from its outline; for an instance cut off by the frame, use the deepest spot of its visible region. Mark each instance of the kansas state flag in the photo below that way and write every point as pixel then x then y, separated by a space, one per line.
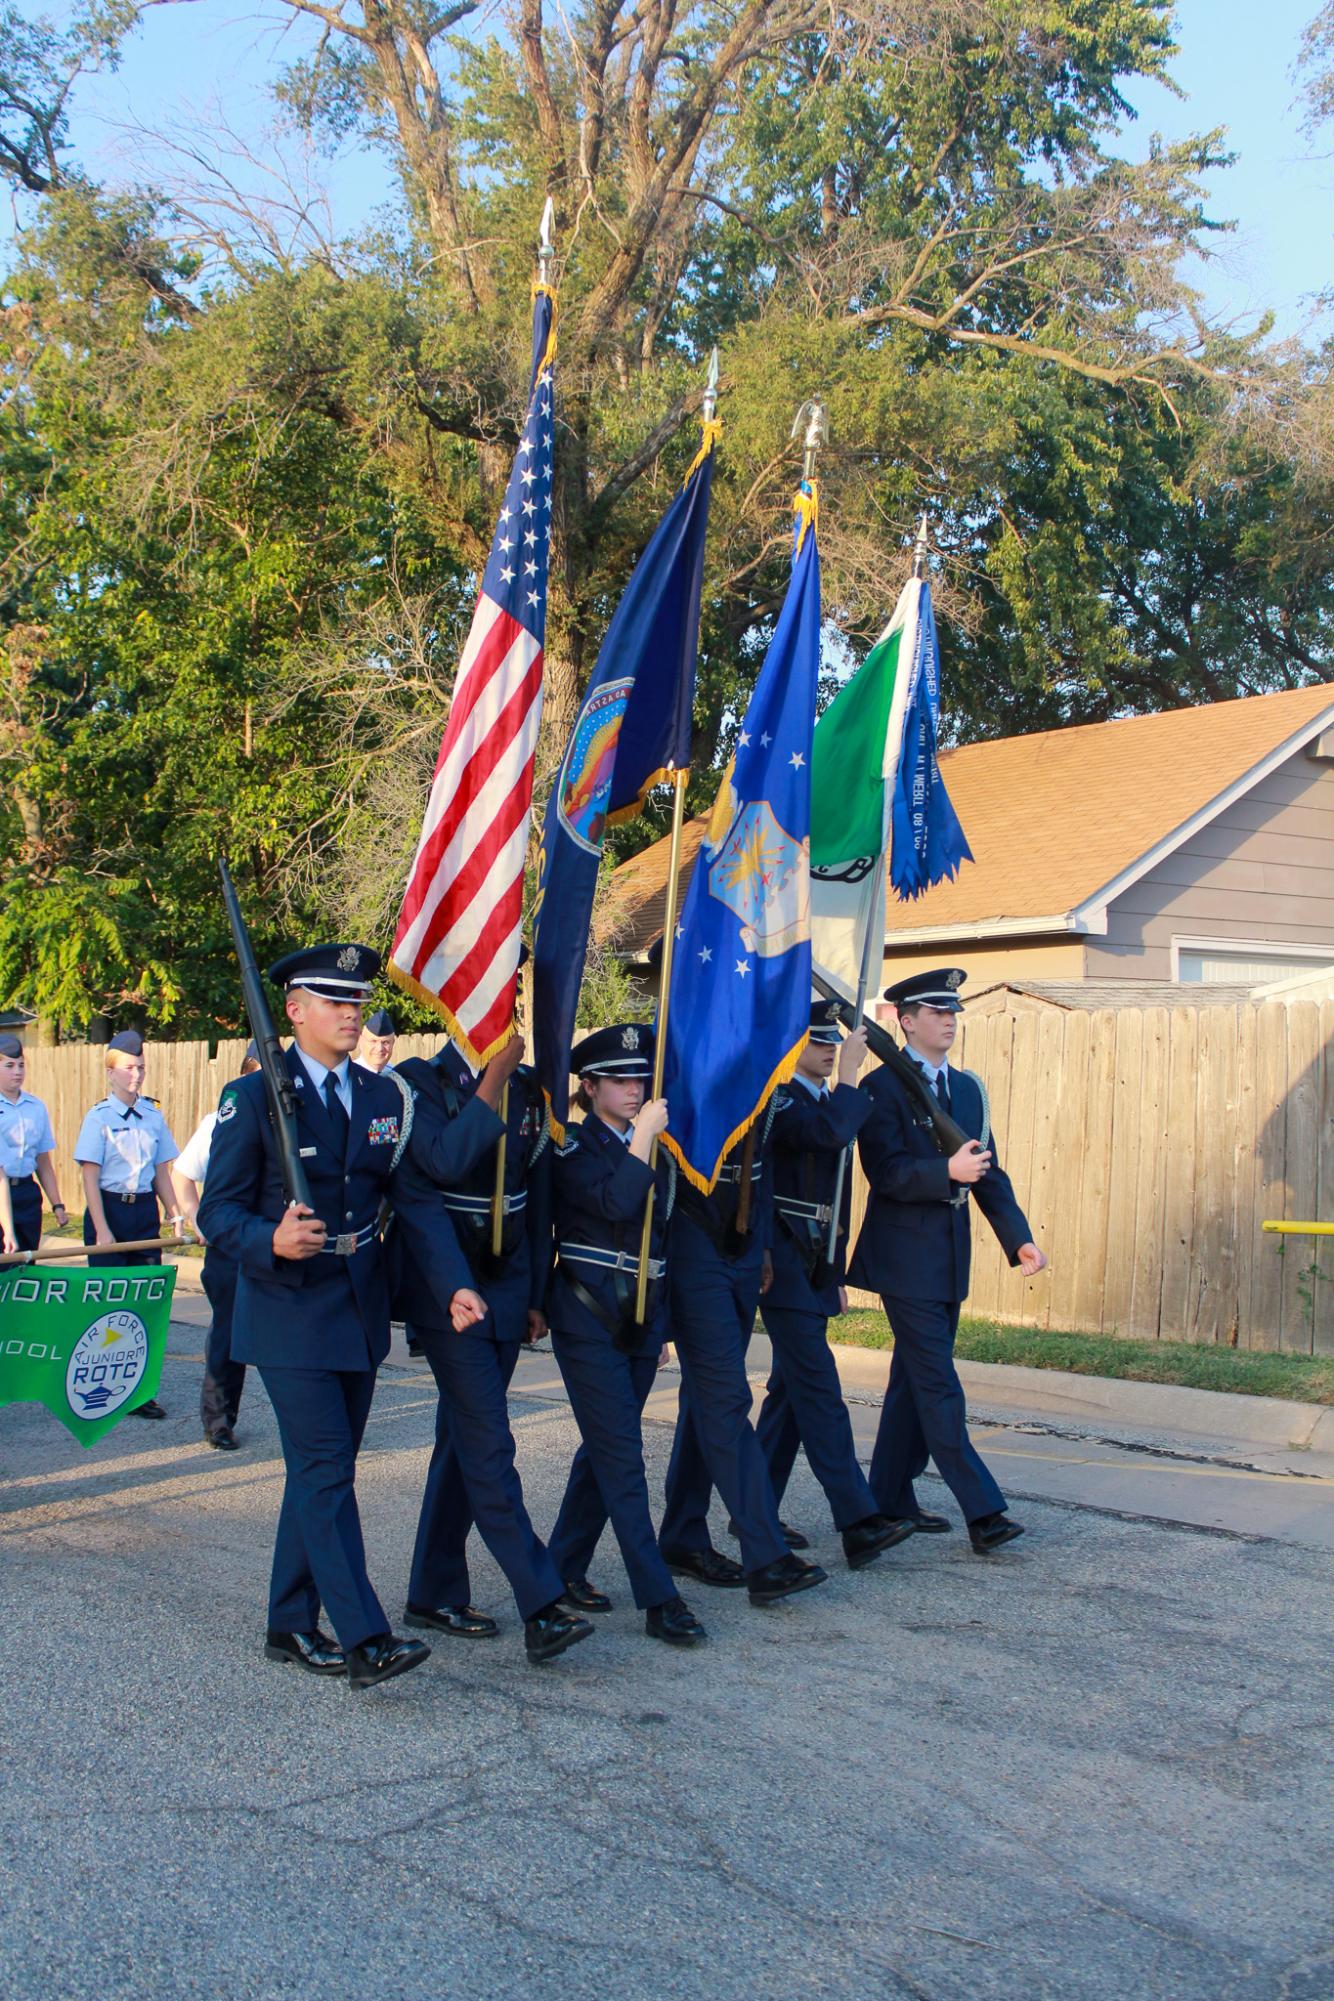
pixel 741 980
pixel 632 729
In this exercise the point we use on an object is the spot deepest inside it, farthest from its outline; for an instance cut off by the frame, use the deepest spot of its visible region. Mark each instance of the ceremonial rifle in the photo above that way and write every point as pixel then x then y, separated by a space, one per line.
pixel 948 1134
pixel 278 1086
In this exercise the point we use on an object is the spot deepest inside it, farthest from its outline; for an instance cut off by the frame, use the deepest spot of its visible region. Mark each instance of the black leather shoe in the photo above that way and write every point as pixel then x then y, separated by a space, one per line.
pixel 314 1651
pixel 465 1621
pixel 780 1580
pixel 675 1623
pixel 150 1409
pixel 707 1566
pixel 550 1631
pixel 792 1537
pixel 580 1596
pixel 991 1531
pixel 381 1658
pixel 864 1541
pixel 222 1440
pixel 931 1524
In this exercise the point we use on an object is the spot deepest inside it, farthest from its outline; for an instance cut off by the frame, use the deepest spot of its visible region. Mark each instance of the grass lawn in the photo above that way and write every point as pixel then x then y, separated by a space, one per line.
pixel 1199 1365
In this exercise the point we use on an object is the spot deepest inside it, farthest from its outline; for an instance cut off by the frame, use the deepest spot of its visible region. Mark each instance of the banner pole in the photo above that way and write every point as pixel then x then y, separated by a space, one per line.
pixel 679 779
pixel 874 930
pixel 498 1194
pixel 63 1251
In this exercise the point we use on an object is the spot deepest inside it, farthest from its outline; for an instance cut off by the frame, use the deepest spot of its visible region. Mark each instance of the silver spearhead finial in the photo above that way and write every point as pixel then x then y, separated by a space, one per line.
pixel 921 550
pixel 810 427
pixel 546 240
pixel 710 403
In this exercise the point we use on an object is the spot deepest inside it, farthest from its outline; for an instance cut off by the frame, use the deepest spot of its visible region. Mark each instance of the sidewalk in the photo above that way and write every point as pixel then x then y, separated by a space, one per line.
pixel 1256 1467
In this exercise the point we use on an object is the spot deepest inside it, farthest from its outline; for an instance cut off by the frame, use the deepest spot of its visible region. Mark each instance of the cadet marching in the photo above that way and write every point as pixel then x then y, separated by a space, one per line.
pixel 408 1166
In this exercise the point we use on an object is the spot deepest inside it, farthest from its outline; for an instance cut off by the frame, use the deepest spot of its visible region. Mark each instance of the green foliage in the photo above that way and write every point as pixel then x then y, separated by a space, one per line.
pixel 243 501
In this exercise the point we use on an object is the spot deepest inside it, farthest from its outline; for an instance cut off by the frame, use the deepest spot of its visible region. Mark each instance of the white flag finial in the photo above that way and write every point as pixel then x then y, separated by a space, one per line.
pixel 921 550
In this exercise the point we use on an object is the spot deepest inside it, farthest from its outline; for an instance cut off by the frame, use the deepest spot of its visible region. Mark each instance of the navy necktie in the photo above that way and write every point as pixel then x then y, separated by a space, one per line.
pixel 942 1089
pixel 132 1112
pixel 340 1118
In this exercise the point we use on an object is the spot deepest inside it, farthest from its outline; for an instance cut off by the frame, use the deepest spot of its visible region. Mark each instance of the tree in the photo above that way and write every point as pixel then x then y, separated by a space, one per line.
pixel 247 478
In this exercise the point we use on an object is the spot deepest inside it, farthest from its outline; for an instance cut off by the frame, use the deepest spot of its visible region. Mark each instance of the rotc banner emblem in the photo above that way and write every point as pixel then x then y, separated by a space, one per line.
pixel 87 1344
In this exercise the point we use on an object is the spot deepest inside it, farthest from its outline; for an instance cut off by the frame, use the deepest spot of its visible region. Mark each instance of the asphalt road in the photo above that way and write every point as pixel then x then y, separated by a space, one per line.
pixel 1096 1766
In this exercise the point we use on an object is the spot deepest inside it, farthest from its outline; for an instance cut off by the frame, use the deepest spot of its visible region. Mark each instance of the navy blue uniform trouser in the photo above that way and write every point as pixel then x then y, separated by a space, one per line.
pixel 608 1391
pixel 26 1198
pixel 128 1217
pixel 803 1405
pixel 713 1300
pixel 318 1554
pixel 473 1477
pixel 224 1379
pixel 924 1415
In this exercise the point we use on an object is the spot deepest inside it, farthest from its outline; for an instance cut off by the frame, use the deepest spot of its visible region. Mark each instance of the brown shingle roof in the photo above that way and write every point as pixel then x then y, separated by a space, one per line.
pixel 1051 818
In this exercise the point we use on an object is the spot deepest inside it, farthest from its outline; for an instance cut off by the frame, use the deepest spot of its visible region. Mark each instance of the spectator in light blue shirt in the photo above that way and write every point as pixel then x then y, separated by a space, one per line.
pixel 125 1149
pixel 27 1149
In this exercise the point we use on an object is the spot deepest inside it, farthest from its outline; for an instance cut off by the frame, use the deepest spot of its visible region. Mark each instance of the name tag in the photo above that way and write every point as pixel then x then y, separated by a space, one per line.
pixel 382 1132
pixel 309 1152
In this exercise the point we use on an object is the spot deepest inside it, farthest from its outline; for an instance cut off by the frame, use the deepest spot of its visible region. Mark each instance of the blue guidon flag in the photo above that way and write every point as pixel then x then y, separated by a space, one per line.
pixel 740 998
pixel 632 731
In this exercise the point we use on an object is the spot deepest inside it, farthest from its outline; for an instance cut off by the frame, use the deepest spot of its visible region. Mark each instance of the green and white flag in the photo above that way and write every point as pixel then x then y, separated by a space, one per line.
pixel 853 768
pixel 87 1344
pixel 876 790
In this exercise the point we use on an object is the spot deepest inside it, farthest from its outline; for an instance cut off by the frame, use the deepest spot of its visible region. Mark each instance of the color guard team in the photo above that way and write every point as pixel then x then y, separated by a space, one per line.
pixel 305 1294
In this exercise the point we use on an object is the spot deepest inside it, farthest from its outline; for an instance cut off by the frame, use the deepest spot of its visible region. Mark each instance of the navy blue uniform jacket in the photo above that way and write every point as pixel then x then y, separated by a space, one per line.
pixel 916 1240
pixel 468 1176
pixel 716 1214
pixel 325 1312
pixel 600 1190
pixel 806 1143
pixel 451 1134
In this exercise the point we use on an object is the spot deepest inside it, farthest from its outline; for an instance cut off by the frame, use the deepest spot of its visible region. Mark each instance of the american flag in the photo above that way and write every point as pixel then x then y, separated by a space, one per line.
pixel 458 937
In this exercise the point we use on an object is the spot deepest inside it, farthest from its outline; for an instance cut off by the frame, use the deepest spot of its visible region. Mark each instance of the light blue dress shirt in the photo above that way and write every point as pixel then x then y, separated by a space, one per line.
pixel 127 1142
pixel 25 1132
pixel 317 1074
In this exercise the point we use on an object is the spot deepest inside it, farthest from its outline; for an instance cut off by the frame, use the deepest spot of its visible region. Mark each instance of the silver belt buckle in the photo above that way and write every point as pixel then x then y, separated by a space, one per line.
pixel 346 1244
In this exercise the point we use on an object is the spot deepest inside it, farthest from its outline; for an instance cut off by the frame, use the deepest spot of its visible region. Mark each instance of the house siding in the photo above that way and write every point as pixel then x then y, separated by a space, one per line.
pixel 1262 871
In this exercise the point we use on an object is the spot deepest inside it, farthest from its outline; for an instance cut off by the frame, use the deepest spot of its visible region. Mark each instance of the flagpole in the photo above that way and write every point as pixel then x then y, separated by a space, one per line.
pixel 679 781
pixel 546 251
pixel 680 778
pixel 874 929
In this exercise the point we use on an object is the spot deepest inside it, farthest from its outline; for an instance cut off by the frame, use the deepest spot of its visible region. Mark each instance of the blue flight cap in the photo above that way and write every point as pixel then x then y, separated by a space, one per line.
pixel 625 1051
pixel 938 988
pixel 381 1023
pixel 10 1046
pixel 129 1042
pixel 824 1022
pixel 334 972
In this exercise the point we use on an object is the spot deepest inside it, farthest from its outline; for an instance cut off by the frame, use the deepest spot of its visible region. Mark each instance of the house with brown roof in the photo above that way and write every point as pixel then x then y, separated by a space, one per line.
pixel 1194 846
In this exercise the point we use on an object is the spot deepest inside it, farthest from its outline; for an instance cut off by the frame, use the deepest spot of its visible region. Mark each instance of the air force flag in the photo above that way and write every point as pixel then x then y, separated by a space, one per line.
pixel 741 982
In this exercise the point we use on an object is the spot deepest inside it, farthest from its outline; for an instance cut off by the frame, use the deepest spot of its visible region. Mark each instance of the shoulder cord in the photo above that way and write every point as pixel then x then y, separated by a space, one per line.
pixel 409 1114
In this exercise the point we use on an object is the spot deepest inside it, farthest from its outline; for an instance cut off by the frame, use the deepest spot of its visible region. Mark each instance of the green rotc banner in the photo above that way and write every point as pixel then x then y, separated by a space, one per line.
pixel 87 1344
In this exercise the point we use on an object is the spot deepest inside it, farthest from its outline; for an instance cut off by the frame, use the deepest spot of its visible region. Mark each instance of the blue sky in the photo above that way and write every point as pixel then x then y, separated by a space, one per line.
pixel 189 62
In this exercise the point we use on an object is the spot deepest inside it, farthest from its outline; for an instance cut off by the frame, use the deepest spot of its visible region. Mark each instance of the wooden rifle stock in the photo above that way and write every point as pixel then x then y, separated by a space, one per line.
pixel 948 1134
pixel 277 1079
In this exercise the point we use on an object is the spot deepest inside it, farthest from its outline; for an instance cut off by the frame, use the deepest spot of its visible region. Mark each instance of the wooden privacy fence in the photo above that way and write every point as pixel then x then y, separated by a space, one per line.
pixel 1147 1147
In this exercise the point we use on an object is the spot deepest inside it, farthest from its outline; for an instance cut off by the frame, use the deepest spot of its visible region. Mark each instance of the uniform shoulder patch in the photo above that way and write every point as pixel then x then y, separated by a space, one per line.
pixel 227 1109
pixel 571 1145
